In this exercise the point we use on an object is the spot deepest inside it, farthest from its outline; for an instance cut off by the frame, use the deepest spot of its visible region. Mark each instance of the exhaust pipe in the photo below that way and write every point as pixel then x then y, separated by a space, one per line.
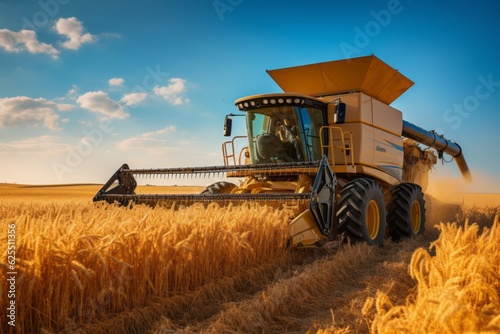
pixel 440 144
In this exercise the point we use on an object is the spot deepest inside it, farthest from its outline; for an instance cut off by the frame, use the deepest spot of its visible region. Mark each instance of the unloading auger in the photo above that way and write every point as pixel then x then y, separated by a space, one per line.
pixel 330 148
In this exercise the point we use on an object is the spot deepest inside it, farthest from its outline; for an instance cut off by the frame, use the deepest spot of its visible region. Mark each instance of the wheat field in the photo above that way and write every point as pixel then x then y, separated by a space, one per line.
pixel 99 268
pixel 458 286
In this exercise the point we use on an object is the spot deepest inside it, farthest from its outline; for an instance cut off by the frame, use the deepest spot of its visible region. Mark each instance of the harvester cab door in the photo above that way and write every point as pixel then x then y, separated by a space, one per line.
pixel 311 121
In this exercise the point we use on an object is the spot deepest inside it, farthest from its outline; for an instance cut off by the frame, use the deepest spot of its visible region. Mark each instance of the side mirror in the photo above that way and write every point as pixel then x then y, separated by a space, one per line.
pixel 339 116
pixel 228 124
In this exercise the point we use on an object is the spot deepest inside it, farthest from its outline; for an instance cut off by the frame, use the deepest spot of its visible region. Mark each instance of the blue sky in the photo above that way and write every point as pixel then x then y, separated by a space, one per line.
pixel 88 85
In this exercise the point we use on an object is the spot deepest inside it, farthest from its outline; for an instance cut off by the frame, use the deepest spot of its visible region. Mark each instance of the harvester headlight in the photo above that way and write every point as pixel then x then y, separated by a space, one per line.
pixel 273 101
pixel 296 101
pixel 288 100
pixel 265 101
pixel 280 101
pixel 240 105
pixel 246 104
pixel 252 103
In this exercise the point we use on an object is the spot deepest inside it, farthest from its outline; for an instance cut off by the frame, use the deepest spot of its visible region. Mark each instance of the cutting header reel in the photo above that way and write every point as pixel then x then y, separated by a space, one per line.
pixel 304 187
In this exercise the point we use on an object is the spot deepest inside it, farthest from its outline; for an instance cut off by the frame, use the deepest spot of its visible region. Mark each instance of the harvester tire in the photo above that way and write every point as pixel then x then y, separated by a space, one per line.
pixel 219 188
pixel 406 216
pixel 361 212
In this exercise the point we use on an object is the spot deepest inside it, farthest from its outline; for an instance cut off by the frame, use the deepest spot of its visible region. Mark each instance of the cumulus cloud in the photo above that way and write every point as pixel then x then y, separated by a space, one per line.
pixel 173 92
pixel 116 82
pixel 70 95
pixel 22 110
pixel 73 30
pixel 100 103
pixel 133 98
pixel 25 40
pixel 65 107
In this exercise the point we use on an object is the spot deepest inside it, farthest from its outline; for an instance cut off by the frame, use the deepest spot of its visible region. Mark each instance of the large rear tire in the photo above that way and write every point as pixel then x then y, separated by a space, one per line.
pixel 221 187
pixel 406 216
pixel 362 212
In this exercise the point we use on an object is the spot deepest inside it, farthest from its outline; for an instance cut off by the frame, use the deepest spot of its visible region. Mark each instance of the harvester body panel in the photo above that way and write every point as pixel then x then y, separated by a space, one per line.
pixel 375 130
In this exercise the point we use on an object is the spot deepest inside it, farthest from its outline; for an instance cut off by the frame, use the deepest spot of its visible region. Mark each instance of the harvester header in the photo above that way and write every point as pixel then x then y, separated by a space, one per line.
pixel 330 149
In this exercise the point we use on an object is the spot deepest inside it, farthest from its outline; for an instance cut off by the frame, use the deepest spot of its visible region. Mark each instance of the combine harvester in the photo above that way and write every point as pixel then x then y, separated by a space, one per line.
pixel 330 148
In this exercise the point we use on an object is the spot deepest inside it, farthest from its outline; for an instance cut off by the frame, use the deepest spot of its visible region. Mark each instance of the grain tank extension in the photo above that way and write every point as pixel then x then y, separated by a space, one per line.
pixel 329 148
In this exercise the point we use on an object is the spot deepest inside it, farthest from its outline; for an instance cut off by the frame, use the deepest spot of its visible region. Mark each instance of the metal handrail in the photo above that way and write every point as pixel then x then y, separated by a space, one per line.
pixel 225 154
pixel 344 135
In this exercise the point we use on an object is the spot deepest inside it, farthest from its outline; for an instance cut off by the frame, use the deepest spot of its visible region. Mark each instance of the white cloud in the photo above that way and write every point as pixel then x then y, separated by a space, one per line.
pixel 101 103
pixel 116 81
pixel 73 30
pixel 173 92
pixel 70 96
pixel 22 110
pixel 164 131
pixel 65 107
pixel 45 144
pixel 150 145
pixel 147 143
pixel 25 40
pixel 87 124
pixel 139 142
pixel 133 98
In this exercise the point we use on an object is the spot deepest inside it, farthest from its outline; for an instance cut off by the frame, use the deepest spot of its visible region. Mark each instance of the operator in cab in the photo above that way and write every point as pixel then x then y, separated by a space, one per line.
pixel 289 136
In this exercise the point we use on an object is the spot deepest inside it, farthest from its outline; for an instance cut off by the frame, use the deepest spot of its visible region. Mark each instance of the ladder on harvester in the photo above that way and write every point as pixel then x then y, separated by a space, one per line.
pixel 337 139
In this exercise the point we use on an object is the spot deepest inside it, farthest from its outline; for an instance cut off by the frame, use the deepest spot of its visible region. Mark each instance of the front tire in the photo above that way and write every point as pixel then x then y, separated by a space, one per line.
pixel 406 212
pixel 362 212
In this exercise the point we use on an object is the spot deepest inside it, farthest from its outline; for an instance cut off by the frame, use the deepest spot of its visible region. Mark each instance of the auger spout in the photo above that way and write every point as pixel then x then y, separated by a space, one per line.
pixel 440 144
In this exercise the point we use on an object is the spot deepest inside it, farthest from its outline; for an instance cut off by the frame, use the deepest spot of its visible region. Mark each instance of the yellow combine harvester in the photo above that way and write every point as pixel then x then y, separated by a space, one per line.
pixel 330 148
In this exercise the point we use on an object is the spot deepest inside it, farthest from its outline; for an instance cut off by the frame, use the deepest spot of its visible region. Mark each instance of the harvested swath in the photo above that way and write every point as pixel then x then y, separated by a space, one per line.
pixel 183 310
pixel 307 298
pixel 280 307
pixel 82 263
pixel 458 287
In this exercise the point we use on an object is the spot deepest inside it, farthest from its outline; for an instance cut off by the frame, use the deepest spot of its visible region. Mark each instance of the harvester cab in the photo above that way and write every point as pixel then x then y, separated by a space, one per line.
pixel 330 149
pixel 283 127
